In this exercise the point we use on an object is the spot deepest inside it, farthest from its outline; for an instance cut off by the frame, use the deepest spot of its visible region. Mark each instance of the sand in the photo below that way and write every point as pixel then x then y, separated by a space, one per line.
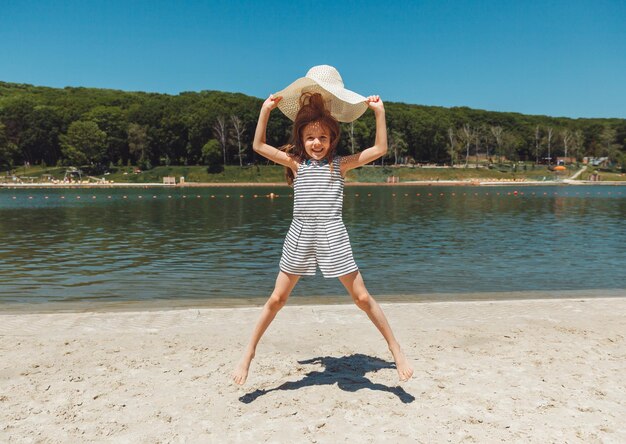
pixel 488 371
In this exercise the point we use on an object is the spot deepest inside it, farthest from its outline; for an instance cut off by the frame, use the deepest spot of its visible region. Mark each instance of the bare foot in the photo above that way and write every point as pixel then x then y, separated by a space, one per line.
pixel 405 371
pixel 240 374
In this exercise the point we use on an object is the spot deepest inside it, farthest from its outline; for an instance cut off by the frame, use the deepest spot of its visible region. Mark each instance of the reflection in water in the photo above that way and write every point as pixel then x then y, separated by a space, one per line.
pixel 177 243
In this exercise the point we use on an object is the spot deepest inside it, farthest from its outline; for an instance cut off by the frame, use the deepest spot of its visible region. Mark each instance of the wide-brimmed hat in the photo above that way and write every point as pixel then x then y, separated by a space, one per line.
pixel 343 104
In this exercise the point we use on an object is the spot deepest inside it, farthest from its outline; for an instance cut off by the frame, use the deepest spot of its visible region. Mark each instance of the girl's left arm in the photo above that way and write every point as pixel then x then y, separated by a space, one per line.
pixel 380 144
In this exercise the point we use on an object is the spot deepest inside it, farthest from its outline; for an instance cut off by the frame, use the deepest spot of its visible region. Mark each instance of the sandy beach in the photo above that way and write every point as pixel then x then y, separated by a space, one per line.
pixel 485 371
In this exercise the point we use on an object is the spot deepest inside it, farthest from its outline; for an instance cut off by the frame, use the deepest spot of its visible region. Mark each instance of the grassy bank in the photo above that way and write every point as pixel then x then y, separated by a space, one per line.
pixel 407 174
pixel 274 173
pixel 605 176
pixel 231 174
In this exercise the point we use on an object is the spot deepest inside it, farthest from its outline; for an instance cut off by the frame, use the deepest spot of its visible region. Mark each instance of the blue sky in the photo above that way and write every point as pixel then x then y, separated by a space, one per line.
pixel 558 58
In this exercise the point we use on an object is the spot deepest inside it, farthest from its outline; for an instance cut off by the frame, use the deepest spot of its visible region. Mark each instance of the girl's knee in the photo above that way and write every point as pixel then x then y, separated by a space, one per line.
pixel 362 300
pixel 277 301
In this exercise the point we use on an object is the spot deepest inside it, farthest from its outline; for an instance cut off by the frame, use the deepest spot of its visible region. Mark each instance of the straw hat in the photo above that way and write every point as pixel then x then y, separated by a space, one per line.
pixel 344 105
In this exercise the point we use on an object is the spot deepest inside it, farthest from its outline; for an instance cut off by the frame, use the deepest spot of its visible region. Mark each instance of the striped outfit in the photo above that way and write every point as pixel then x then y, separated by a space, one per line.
pixel 317 236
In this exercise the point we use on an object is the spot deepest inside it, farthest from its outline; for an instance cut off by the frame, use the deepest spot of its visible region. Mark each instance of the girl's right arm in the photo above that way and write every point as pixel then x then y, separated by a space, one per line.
pixel 380 144
pixel 260 146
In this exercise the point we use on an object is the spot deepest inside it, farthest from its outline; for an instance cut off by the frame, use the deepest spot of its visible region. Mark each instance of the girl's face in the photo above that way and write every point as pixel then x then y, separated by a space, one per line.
pixel 316 140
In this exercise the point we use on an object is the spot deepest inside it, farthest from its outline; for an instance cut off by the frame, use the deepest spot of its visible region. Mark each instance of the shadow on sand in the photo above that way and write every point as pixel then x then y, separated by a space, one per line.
pixel 348 372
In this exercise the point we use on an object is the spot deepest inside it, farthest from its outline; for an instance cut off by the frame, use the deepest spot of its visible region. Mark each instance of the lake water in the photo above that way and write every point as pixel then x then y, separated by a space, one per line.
pixel 211 244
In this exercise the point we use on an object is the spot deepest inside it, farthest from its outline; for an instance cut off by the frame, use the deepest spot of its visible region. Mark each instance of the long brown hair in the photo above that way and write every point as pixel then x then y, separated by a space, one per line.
pixel 312 110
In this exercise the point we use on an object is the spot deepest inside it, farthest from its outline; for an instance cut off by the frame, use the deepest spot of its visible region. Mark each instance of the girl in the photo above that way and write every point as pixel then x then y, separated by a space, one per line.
pixel 317 236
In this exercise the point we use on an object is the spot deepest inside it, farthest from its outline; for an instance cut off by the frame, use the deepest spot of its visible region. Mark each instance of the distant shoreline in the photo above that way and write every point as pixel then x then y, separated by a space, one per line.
pixel 472 182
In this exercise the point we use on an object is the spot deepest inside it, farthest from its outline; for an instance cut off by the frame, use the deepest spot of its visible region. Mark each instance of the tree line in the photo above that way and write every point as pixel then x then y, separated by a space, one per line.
pixel 103 128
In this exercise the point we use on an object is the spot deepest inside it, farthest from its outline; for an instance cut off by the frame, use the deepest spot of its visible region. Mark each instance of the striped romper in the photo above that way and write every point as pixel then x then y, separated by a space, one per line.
pixel 317 235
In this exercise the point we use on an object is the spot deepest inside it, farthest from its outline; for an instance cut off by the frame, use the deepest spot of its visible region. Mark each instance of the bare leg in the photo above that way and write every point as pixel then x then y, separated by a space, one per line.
pixel 284 284
pixel 356 287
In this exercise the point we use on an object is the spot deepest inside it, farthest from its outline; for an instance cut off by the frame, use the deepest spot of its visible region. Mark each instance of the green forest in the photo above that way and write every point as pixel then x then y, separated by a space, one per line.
pixel 100 129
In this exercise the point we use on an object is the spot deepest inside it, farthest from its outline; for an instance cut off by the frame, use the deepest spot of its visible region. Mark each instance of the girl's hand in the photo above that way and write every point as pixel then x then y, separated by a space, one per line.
pixel 271 102
pixel 375 103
